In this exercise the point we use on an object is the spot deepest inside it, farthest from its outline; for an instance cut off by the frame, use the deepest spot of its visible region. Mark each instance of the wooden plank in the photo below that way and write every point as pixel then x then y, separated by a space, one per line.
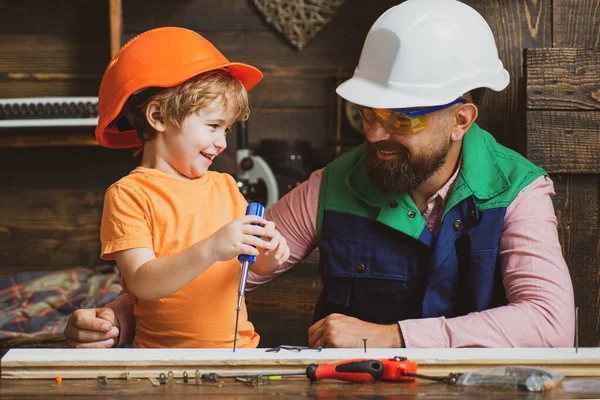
pixel 17 85
pixel 139 363
pixel 218 15
pixel 516 25
pixel 53 53
pixel 47 140
pixel 77 18
pixel 576 23
pixel 115 18
pixel 52 201
pixel 563 79
pixel 564 141
pixel 32 171
pixel 336 49
pixel 315 125
pixel 299 91
pixel 286 87
pixel 576 206
pixel 62 227
pixel 282 310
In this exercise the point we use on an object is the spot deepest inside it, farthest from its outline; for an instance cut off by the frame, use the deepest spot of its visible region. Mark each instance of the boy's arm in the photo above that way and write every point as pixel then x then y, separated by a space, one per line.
pixel 151 278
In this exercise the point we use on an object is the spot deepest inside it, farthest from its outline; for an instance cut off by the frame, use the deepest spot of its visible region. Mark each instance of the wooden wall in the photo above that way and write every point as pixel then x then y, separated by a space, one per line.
pixel 51 197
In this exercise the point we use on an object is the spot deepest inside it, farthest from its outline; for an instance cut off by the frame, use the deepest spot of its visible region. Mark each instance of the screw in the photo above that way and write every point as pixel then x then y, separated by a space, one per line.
pixel 365 343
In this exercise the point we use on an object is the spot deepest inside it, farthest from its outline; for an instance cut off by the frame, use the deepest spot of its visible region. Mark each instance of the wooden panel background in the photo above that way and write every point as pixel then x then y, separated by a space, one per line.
pixel 575 24
pixel 51 198
pixel 563 136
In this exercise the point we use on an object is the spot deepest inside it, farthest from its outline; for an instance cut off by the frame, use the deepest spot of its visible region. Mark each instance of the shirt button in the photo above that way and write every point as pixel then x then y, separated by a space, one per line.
pixel 360 268
pixel 393 204
pixel 411 214
pixel 457 224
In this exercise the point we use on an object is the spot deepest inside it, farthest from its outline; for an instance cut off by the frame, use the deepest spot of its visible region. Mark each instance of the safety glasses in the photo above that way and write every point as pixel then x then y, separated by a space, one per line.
pixel 402 121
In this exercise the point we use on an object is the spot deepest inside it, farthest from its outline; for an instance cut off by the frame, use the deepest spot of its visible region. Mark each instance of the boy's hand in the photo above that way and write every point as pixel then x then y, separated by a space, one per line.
pixel 280 252
pixel 239 237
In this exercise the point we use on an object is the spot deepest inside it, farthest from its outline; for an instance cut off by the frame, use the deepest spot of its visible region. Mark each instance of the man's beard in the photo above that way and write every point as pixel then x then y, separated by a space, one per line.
pixel 405 173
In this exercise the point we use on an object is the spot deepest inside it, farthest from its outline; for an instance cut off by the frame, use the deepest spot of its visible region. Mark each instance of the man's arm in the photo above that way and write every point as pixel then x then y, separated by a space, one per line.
pixel 295 217
pixel 123 309
pixel 538 287
pixel 103 327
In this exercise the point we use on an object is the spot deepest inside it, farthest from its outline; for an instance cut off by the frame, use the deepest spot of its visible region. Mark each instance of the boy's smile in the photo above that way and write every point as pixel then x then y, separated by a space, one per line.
pixel 209 156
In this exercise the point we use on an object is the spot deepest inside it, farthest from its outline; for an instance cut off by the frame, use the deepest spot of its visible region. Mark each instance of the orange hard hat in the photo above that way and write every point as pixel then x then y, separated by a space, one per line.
pixel 162 57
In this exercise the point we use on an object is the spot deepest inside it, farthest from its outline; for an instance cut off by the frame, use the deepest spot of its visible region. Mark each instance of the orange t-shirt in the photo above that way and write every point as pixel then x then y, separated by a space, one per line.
pixel 150 209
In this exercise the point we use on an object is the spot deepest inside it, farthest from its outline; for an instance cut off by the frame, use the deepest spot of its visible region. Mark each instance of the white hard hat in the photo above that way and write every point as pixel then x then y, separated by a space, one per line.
pixel 425 53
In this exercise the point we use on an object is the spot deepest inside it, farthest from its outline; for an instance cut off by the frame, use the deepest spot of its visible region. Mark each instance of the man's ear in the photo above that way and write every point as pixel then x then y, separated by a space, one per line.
pixel 154 118
pixel 464 117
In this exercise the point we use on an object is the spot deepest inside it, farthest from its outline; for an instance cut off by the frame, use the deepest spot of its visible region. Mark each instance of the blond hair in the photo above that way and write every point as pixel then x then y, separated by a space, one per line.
pixel 178 102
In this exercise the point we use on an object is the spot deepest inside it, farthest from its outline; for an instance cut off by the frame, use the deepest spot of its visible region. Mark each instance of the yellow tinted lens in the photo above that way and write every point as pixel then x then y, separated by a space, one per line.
pixel 394 122
pixel 400 124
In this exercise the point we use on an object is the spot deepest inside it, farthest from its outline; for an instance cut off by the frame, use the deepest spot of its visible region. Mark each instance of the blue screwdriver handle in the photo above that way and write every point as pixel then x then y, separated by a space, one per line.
pixel 258 210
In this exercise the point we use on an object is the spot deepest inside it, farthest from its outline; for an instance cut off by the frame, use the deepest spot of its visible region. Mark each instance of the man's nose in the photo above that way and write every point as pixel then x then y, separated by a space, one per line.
pixel 375 132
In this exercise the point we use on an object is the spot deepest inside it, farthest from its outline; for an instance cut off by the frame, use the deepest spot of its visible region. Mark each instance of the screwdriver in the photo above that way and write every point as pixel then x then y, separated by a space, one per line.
pixel 365 370
pixel 258 210
pixel 357 370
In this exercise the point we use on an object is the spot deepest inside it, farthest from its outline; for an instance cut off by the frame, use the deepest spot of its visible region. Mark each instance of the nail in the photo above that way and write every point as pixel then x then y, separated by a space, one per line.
pixel 365 342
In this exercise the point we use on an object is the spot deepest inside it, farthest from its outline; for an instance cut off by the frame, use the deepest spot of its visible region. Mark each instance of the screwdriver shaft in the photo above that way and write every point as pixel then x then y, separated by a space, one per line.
pixel 241 290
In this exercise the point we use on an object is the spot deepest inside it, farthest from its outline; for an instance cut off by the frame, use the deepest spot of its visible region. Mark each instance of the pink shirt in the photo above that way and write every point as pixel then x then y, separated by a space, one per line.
pixel 538 286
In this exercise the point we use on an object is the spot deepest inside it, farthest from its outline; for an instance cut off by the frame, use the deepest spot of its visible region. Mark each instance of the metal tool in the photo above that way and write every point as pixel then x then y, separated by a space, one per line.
pixel 258 210
pixel 292 348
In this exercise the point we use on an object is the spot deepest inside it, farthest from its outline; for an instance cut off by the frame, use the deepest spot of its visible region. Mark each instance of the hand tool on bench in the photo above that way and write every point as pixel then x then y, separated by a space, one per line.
pixel 357 370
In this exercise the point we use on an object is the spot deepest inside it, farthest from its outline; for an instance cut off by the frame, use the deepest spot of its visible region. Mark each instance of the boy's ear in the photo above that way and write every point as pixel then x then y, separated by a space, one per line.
pixel 154 118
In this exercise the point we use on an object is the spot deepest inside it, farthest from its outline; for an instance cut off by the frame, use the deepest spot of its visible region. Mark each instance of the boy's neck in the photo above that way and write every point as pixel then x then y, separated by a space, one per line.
pixel 151 160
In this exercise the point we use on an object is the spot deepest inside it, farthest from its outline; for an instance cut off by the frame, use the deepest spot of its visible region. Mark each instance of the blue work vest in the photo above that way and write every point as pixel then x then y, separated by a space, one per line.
pixel 379 261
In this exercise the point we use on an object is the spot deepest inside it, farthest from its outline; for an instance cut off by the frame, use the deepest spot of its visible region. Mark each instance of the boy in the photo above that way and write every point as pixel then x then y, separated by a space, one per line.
pixel 173 227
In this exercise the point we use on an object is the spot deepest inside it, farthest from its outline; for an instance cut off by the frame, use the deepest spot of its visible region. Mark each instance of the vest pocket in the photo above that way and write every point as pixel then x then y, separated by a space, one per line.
pixel 365 280
pixel 484 277
pixel 356 259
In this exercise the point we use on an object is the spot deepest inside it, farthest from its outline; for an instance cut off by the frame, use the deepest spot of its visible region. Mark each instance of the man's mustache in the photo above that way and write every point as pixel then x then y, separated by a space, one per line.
pixel 389 147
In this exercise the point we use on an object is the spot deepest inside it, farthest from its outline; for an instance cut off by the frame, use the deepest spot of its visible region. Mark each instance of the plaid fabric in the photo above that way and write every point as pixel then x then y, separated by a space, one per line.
pixel 36 305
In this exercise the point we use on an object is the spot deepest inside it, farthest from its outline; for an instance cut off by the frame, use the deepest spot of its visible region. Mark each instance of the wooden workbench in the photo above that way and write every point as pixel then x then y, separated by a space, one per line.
pixel 287 388
pixel 120 373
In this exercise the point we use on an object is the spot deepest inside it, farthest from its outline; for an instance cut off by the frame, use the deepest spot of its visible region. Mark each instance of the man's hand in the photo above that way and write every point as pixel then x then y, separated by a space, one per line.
pixel 337 330
pixel 92 328
pixel 280 252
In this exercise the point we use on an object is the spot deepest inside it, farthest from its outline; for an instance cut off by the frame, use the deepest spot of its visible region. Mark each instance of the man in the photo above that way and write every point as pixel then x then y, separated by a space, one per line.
pixel 430 234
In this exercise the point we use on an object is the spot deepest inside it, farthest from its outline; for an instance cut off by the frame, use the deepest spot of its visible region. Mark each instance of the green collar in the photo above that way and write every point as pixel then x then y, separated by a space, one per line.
pixel 480 174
